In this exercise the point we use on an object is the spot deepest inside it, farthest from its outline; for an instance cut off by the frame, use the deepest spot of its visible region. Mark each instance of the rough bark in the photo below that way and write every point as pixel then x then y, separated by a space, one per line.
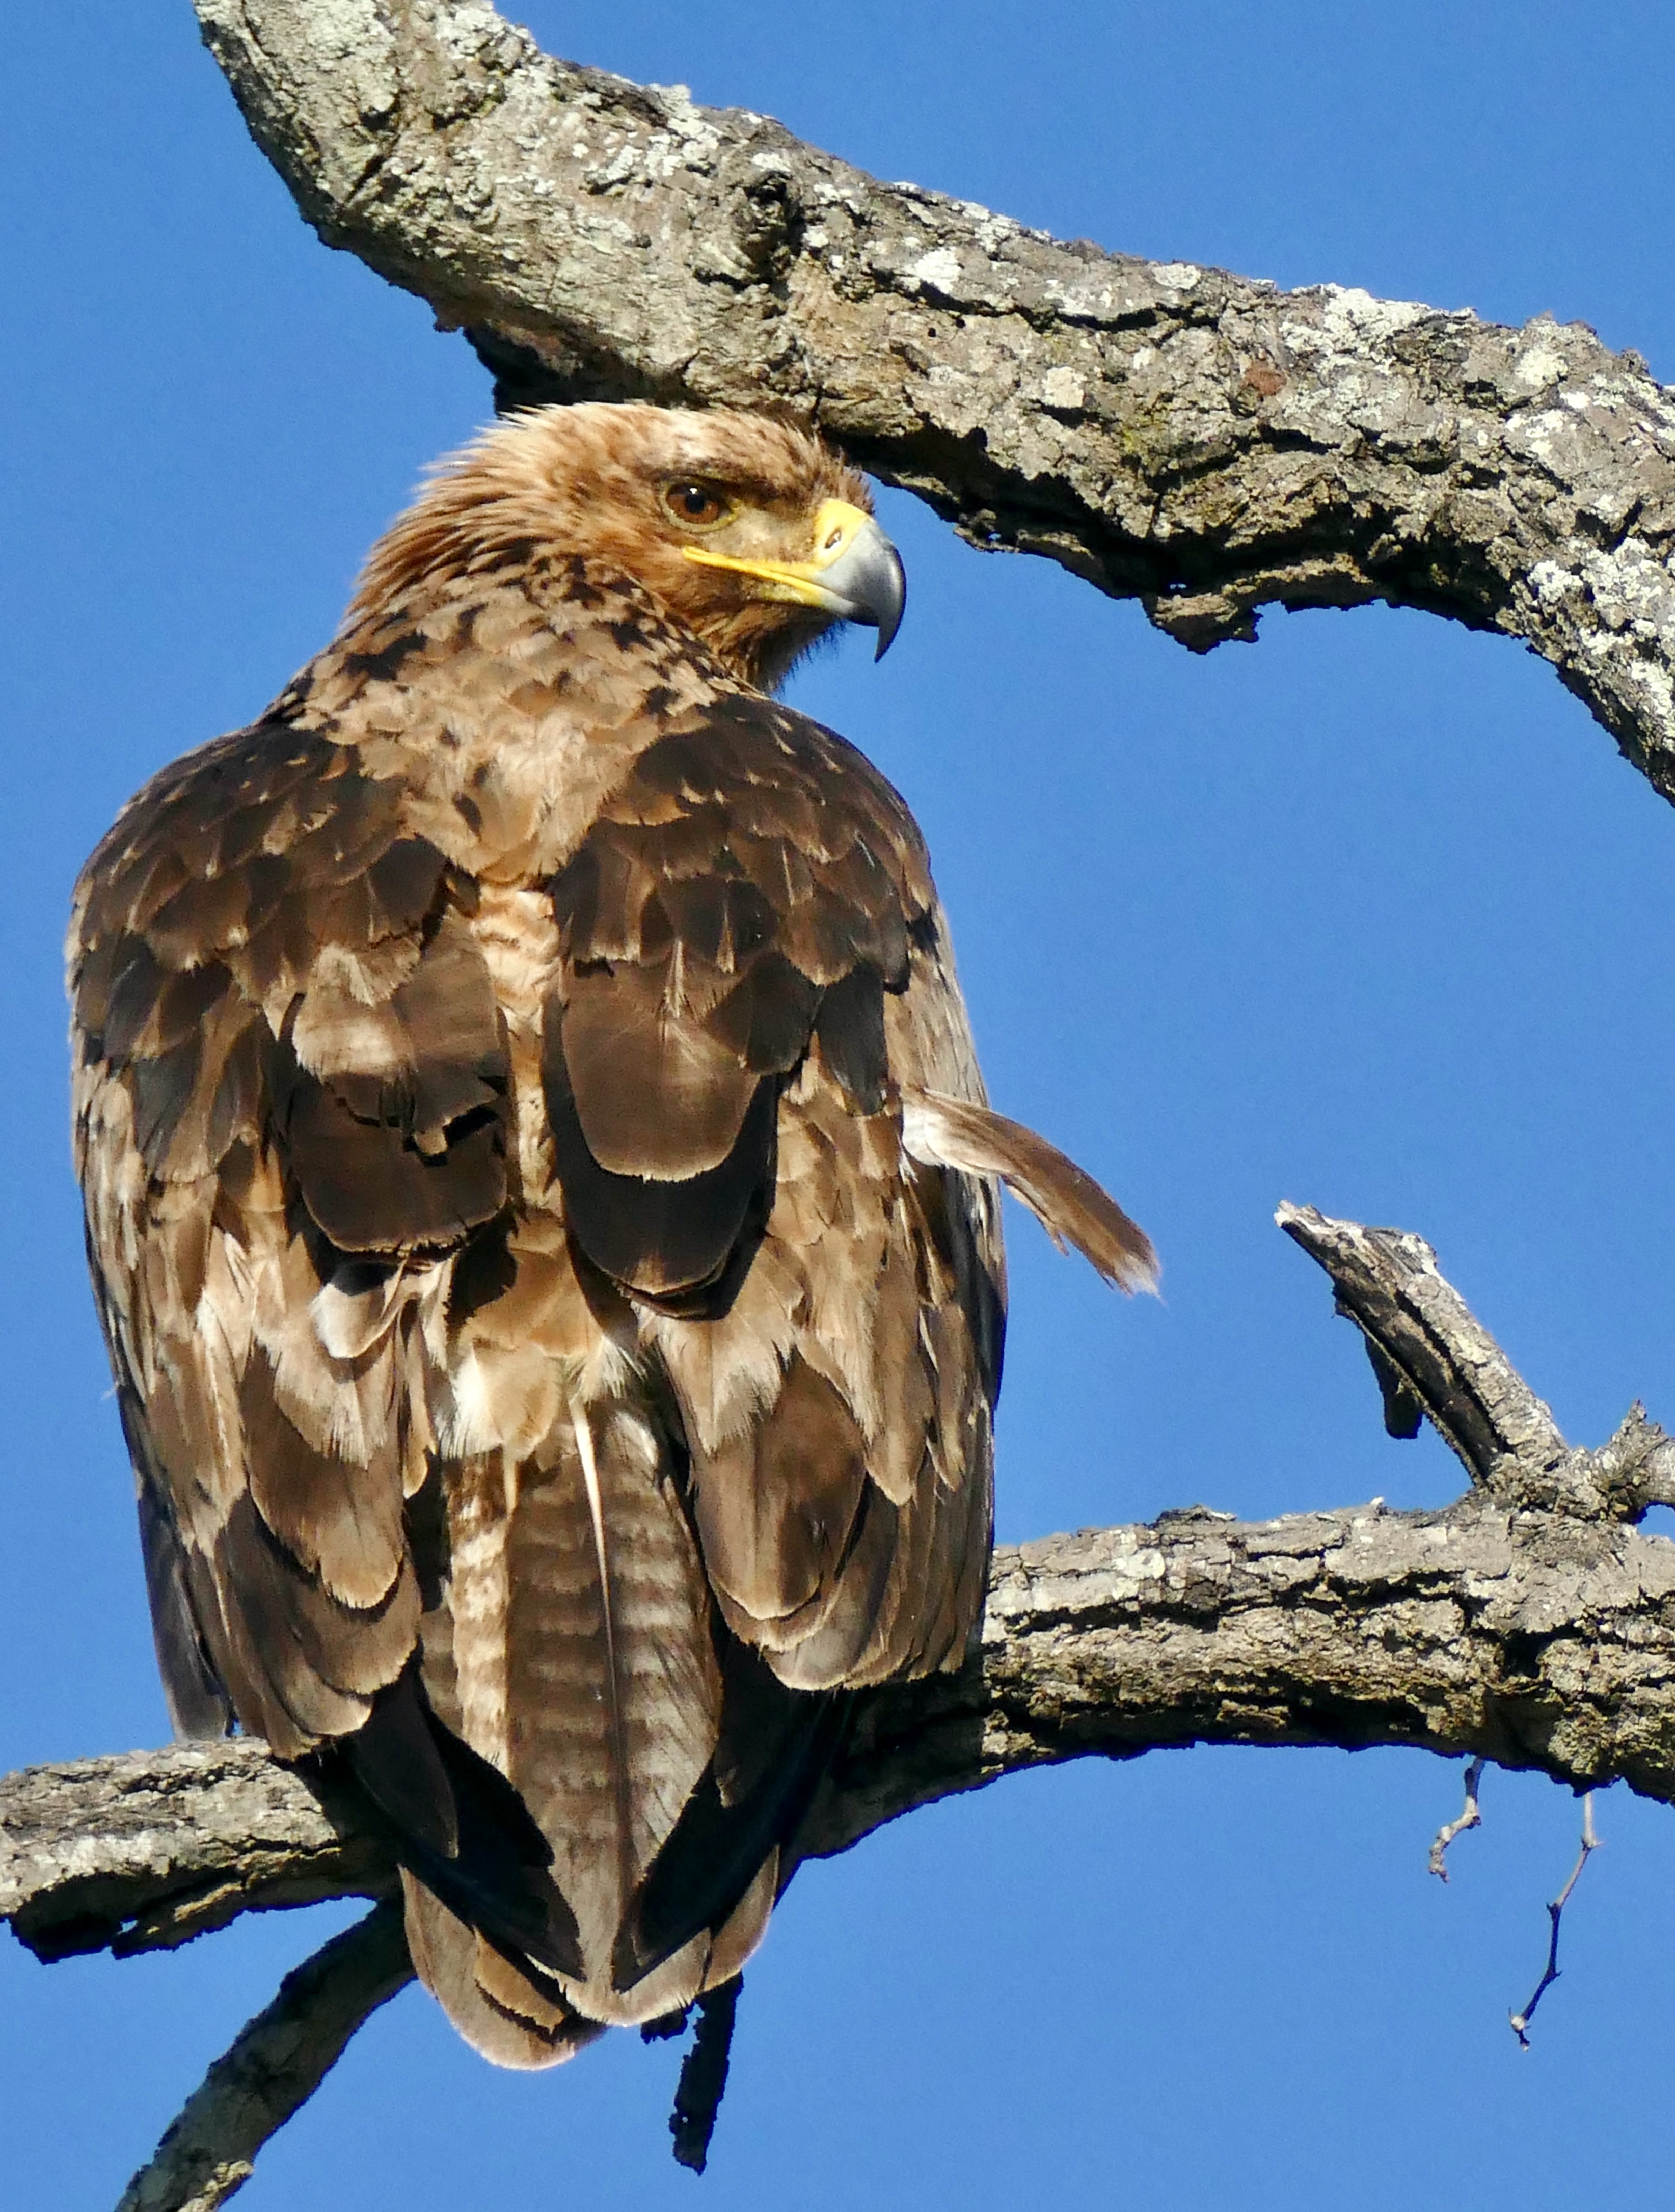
pixel 1526 1636
pixel 147 1849
pixel 277 2062
pixel 1529 1624
pixel 1206 442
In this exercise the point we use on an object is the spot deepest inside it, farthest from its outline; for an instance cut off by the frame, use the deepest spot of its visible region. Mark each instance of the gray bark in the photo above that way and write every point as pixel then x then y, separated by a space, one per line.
pixel 1206 443
pixel 1524 1635
pixel 1530 1624
pixel 277 2062
pixel 147 1849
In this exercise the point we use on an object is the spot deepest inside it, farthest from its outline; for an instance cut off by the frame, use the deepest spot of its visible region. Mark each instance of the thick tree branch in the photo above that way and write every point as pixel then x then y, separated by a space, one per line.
pixel 142 1851
pixel 1531 1639
pixel 1206 442
pixel 1528 1624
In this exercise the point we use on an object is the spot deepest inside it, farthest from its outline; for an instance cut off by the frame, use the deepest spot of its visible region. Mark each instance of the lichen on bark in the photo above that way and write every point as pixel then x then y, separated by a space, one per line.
pixel 1210 445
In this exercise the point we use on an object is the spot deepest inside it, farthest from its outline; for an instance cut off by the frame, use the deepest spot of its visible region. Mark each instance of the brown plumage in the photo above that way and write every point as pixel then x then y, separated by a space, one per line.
pixel 542 1205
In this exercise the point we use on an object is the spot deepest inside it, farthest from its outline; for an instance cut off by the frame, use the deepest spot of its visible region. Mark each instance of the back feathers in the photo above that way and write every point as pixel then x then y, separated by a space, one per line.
pixel 544 1213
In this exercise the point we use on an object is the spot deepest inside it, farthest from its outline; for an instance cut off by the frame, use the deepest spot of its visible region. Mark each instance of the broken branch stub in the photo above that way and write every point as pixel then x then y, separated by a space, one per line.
pixel 1433 1357
pixel 1529 1624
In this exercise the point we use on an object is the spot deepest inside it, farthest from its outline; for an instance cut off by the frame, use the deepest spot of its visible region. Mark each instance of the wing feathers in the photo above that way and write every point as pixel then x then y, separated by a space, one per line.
pixel 656 1236
pixel 776 1512
pixel 752 879
pixel 560 1347
pixel 197 1702
pixel 340 1522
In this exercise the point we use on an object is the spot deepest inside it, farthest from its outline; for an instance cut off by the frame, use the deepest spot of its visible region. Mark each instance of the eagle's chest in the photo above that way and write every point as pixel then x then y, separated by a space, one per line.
pixel 517 931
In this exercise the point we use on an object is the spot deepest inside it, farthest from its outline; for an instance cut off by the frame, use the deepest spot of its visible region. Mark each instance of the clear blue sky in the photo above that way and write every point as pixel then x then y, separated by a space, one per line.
pixel 1369 915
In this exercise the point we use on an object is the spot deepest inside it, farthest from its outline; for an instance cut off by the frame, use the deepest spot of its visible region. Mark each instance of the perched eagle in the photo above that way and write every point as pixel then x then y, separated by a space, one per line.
pixel 544 1210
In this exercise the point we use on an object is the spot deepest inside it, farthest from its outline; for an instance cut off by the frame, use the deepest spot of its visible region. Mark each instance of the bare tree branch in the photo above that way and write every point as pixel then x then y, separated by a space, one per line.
pixel 1422 1333
pixel 144 1851
pixel 276 2064
pixel 703 2081
pixel 1528 1624
pixel 1534 1639
pixel 1429 1350
pixel 1206 442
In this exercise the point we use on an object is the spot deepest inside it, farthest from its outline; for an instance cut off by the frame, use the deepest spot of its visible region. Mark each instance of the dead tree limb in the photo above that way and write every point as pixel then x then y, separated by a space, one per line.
pixel 1530 1624
pixel 276 2064
pixel 1202 442
pixel 145 1849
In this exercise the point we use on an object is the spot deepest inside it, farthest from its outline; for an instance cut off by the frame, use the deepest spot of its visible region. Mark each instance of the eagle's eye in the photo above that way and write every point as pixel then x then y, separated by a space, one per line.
pixel 698 505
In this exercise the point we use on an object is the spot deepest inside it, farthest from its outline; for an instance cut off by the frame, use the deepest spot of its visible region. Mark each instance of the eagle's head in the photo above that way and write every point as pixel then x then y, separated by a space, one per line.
pixel 751 533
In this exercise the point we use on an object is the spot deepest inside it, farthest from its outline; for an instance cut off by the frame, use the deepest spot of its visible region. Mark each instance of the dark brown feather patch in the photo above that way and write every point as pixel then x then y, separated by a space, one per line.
pixel 542 1215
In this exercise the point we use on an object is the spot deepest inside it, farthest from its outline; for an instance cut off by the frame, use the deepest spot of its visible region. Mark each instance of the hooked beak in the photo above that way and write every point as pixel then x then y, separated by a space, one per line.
pixel 856 573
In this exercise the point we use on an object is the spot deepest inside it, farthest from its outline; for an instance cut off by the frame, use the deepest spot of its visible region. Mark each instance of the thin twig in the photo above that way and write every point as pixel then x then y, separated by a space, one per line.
pixel 1470 1817
pixel 1520 2021
pixel 277 2064
pixel 703 2080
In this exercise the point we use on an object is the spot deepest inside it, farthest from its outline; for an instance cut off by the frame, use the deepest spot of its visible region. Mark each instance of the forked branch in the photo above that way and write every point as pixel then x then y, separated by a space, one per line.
pixel 1529 1624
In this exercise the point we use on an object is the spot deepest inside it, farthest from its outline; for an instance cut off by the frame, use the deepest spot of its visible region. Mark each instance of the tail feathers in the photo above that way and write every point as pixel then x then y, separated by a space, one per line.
pixel 461 1828
pixel 1072 1208
pixel 776 1745
pixel 510 2012
pixel 515 2016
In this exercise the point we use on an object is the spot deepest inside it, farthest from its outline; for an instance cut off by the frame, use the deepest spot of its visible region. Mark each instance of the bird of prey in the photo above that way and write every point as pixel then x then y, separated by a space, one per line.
pixel 544 1210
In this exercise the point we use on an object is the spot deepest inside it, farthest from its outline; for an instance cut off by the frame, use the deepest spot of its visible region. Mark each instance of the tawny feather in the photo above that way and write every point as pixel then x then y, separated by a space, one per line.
pixel 1072 1208
pixel 543 1211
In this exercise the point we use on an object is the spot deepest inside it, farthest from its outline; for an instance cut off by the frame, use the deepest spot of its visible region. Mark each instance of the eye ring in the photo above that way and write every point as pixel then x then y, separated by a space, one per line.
pixel 696 504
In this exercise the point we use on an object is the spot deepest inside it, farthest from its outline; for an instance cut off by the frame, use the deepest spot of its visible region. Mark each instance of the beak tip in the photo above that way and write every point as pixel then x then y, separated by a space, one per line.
pixel 891 606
